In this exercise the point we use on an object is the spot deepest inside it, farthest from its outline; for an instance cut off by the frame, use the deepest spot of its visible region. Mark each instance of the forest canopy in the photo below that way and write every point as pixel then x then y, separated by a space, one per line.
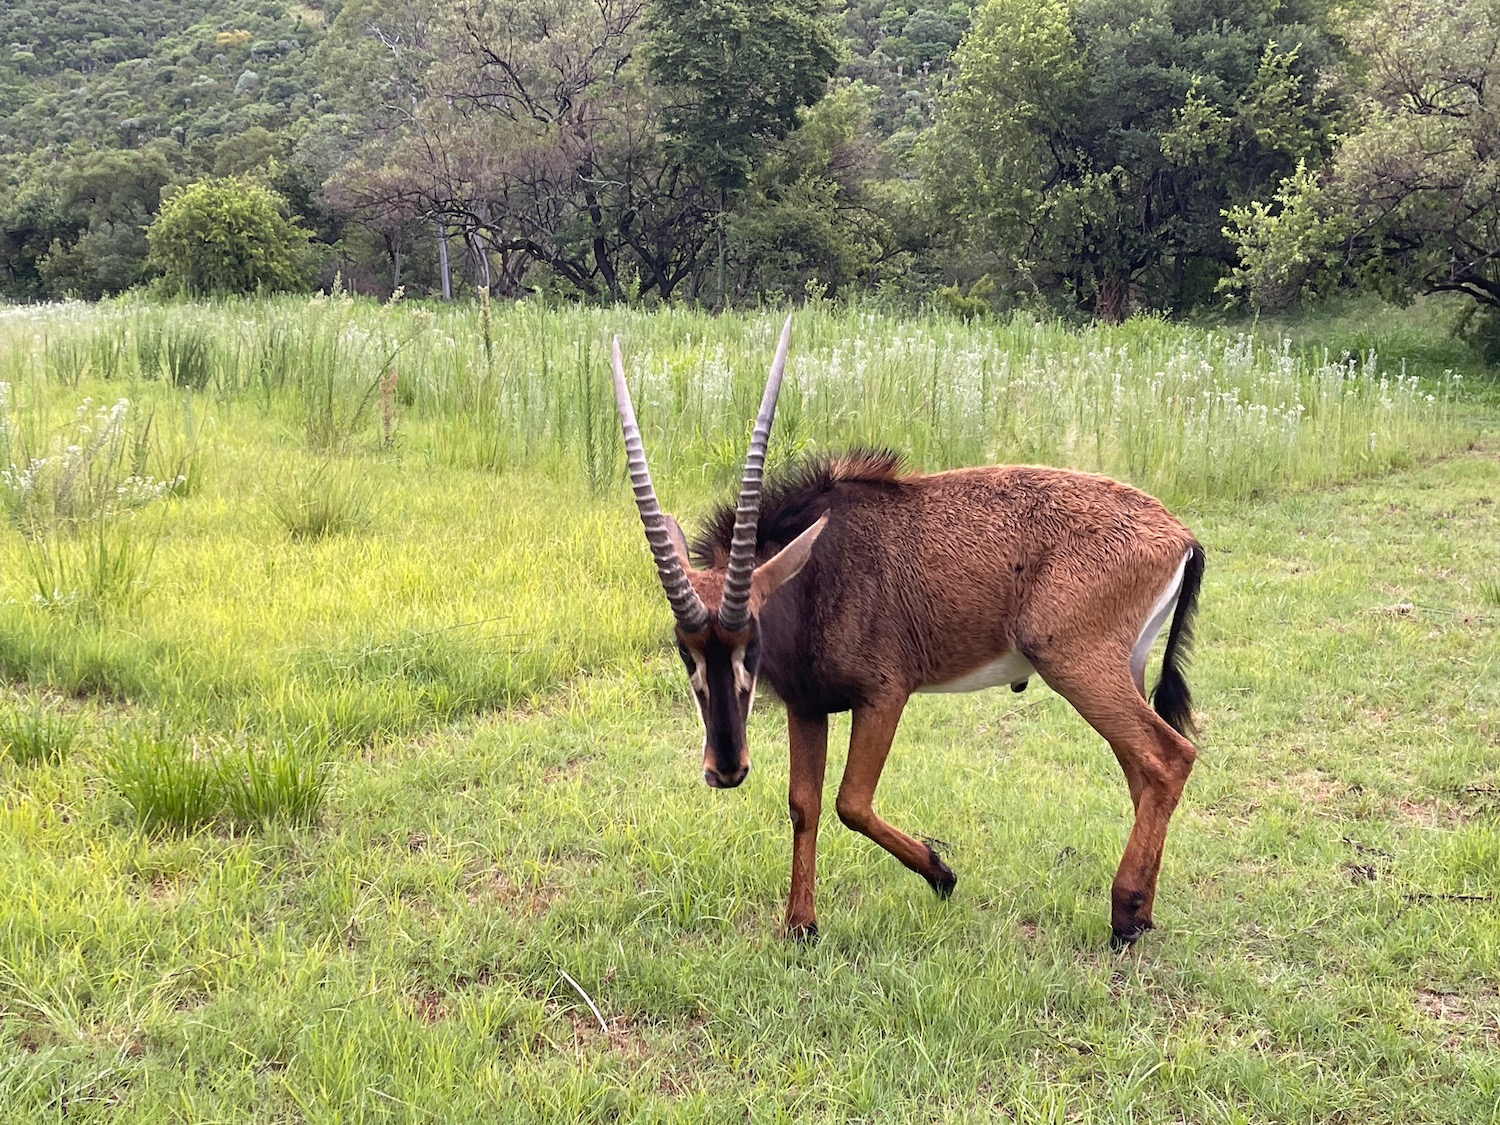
pixel 1083 155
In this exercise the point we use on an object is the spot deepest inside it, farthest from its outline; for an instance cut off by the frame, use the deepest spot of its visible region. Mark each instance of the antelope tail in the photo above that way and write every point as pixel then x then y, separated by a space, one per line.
pixel 1171 697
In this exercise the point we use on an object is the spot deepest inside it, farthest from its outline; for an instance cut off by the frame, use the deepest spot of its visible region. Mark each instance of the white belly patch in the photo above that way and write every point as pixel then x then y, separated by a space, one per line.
pixel 1011 668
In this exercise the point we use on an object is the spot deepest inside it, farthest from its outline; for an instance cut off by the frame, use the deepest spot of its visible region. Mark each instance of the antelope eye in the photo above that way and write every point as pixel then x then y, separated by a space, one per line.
pixel 687 657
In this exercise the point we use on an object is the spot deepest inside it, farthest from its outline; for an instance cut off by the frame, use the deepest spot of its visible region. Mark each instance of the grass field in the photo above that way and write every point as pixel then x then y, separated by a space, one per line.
pixel 348 762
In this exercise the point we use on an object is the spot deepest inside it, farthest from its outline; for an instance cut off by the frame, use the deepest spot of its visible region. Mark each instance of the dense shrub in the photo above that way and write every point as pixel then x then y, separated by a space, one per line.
pixel 229 235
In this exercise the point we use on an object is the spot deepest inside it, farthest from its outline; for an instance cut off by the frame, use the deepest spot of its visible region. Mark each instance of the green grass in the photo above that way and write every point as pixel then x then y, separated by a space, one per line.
pixel 167 782
pixel 32 734
pixel 346 813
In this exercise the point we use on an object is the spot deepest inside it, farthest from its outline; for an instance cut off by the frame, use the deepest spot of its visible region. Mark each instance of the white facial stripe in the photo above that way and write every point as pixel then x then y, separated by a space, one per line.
pixel 743 680
pixel 698 677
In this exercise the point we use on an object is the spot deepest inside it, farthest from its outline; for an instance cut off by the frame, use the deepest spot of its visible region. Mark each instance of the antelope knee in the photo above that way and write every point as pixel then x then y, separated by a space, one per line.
pixel 853 814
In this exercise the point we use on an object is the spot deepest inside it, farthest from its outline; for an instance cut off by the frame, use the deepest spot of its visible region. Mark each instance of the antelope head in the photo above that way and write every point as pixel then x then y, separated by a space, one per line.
pixel 718 609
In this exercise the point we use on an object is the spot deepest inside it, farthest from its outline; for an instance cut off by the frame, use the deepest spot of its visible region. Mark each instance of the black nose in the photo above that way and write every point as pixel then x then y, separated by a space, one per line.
pixel 717 780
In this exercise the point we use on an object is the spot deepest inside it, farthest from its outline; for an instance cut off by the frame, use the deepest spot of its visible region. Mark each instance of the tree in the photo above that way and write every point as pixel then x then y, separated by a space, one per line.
pixel 1089 146
pixel 815 217
pixel 736 73
pixel 529 128
pixel 32 220
pixel 111 195
pixel 1410 201
pixel 229 236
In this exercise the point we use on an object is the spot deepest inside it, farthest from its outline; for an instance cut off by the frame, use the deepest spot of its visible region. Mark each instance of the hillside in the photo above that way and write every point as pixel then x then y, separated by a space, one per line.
pixel 116 74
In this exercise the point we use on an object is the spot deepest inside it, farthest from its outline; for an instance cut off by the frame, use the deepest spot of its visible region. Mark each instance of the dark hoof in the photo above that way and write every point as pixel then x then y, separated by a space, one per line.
pixel 943 882
pixel 1125 937
pixel 806 934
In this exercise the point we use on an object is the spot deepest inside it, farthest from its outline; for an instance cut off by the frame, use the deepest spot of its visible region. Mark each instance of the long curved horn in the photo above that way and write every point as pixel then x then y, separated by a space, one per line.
pixel 687 606
pixel 734 610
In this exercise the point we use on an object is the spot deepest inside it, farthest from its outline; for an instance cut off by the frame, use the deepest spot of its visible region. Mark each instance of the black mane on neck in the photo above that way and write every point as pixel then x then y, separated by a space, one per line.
pixel 792 499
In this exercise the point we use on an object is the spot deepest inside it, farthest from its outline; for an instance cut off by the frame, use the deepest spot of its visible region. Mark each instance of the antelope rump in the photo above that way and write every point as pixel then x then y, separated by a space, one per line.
pixel 851 584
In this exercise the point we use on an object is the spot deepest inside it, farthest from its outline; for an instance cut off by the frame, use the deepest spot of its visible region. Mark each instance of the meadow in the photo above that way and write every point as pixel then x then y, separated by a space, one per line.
pixel 349 775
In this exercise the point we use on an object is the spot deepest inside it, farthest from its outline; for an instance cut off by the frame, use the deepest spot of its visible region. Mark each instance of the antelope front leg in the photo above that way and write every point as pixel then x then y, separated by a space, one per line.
pixel 869 743
pixel 809 756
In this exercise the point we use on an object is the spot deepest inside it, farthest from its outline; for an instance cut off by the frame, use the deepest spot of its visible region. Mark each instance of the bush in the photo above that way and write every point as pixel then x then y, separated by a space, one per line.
pixel 229 235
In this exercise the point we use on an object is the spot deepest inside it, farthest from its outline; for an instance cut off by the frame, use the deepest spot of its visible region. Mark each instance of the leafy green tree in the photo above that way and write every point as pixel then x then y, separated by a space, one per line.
pixel 926 36
pixel 111 196
pixel 32 219
pixel 1410 201
pixel 257 151
pixel 736 73
pixel 815 218
pixel 229 236
pixel 1089 146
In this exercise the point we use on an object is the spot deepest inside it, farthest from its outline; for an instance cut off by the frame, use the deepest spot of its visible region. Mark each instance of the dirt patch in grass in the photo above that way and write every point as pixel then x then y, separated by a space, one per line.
pixel 1471 1020
pixel 35 1036
pixel 1313 786
pixel 429 1006
pixel 523 897
pixel 1432 813
pixel 624 1037
pixel 566 771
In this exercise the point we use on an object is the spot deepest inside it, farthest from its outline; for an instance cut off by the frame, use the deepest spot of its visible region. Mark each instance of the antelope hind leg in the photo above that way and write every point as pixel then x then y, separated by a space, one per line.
pixel 1156 761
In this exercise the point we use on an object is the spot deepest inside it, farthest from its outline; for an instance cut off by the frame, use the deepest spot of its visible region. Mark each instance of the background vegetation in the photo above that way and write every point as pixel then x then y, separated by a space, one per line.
pixel 1057 155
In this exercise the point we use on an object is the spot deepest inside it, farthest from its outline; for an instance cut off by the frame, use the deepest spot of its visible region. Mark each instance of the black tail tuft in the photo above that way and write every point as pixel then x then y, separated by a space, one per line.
pixel 1171 697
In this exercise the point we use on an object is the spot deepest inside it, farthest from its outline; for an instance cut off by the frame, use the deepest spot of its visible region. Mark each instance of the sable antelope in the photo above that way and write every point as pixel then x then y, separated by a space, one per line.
pixel 852 584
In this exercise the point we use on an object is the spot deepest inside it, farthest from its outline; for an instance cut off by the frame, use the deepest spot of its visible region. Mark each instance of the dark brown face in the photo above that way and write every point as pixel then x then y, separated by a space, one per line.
pixel 722 675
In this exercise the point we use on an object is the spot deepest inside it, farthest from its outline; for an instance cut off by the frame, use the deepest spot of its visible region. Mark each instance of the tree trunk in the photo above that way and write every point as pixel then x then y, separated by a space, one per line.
pixel 602 259
pixel 481 258
pixel 443 260
pixel 721 250
pixel 1109 304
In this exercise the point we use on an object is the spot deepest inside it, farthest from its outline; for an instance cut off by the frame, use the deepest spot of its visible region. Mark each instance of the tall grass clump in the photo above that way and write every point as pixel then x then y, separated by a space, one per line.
pixel 187 355
pixel 96 470
pixel 286 781
pixel 166 782
pixel 324 501
pixel 172 784
pixel 106 566
pixel 37 734
pixel 1187 412
pixel 70 502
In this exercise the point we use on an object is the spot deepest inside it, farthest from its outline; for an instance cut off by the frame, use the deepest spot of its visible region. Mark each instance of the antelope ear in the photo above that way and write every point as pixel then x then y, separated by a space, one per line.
pixel 679 541
pixel 782 567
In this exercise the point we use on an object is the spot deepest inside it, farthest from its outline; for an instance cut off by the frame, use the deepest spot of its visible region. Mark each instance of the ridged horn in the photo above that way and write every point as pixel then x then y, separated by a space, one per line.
pixel 687 606
pixel 734 610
